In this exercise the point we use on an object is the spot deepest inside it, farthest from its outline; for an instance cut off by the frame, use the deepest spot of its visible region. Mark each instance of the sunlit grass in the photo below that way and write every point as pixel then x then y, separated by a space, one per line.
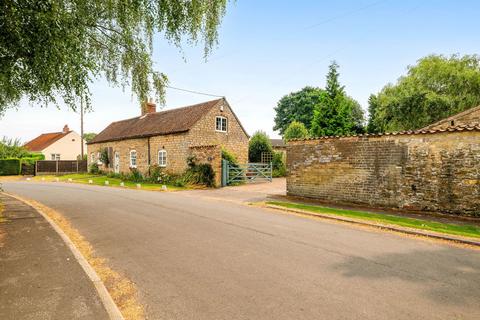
pixel 100 181
pixel 453 229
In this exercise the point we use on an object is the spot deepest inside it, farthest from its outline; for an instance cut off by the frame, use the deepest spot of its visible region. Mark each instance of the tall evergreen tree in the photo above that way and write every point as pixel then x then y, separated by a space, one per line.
pixel 336 113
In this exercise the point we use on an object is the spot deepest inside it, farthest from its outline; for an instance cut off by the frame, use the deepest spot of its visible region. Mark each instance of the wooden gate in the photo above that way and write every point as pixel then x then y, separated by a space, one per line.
pixel 245 173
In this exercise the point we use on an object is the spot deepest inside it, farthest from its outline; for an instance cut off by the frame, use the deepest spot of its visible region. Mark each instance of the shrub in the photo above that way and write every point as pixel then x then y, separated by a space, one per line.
pixel 9 167
pixel 135 175
pixel 226 155
pixel 258 143
pixel 93 169
pixel 157 175
pixel 295 130
pixel 199 173
pixel 278 165
pixel 104 158
pixel 115 175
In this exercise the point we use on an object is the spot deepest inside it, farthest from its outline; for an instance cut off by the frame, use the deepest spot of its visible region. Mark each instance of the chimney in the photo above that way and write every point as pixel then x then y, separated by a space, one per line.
pixel 66 129
pixel 149 107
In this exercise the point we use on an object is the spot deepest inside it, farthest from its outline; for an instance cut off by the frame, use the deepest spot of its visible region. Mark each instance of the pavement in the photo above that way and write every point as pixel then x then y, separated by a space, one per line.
pixel 205 255
pixel 39 276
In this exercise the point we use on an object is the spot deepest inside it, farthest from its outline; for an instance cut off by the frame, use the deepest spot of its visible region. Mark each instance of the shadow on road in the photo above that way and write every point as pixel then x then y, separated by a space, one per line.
pixel 440 273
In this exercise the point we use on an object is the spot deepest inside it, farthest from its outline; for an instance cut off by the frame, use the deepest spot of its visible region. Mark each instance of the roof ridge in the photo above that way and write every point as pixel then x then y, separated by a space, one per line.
pixel 168 110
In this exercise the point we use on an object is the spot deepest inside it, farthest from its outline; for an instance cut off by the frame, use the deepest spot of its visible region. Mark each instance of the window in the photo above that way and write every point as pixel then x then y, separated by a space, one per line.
pixel 221 124
pixel 133 159
pixel 92 157
pixel 162 158
pixel 55 156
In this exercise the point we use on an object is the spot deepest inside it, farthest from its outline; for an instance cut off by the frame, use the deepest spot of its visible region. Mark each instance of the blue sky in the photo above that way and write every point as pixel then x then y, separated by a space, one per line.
pixel 270 48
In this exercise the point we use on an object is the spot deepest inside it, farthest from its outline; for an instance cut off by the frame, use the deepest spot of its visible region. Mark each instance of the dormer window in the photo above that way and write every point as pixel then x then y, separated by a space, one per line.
pixel 221 124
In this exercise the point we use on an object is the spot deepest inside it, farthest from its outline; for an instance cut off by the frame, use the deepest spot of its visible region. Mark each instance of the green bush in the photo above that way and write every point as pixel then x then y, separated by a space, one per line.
pixel 94 169
pixel 9 167
pixel 135 175
pixel 156 174
pixel 198 173
pixel 226 155
pixel 278 165
pixel 258 143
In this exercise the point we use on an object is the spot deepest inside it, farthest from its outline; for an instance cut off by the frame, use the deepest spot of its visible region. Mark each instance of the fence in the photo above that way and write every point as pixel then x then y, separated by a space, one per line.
pixel 60 166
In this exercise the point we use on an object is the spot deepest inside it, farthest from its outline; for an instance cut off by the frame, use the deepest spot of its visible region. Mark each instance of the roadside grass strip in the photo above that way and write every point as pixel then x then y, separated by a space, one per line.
pixel 99 180
pixel 446 228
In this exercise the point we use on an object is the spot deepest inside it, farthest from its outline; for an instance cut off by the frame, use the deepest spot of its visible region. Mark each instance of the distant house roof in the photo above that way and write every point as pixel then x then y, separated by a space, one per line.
pixel 156 123
pixel 278 143
pixel 44 140
pixel 453 118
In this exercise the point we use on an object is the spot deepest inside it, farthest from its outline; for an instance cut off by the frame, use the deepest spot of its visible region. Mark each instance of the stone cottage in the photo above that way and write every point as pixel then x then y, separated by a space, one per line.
pixel 168 138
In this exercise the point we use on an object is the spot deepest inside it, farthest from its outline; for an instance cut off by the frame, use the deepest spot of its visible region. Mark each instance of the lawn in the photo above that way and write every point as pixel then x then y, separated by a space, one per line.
pixel 100 181
pixel 453 229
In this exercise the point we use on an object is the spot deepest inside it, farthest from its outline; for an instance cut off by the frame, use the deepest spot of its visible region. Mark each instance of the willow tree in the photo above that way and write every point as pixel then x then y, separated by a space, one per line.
pixel 53 49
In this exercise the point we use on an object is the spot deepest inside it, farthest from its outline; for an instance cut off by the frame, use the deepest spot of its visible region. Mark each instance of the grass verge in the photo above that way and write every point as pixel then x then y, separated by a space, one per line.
pixel 452 229
pixel 99 180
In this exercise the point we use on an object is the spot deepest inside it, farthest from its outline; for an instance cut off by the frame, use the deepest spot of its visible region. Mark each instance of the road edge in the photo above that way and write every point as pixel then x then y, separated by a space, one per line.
pixel 107 300
pixel 408 231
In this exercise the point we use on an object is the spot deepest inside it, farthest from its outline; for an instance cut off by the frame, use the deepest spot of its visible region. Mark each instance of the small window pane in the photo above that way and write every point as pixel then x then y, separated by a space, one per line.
pixel 221 124
pixel 162 158
pixel 133 159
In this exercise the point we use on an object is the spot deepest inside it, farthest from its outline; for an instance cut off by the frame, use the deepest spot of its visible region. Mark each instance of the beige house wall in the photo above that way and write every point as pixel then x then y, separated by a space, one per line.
pixel 68 147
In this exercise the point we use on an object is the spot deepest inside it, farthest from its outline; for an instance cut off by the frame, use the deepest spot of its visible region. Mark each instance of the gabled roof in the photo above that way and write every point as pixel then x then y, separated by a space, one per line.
pixel 452 118
pixel 157 123
pixel 44 140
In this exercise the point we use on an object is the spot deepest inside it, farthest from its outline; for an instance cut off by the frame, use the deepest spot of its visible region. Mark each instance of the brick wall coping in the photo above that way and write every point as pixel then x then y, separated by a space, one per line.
pixel 458 128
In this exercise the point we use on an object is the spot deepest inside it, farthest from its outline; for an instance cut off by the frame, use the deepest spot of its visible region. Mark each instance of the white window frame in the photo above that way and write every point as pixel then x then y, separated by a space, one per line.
pixel 92 157
pixel 221 124
pixel 99 161
pixel 160 158
pixel 132 165
pixel 55 156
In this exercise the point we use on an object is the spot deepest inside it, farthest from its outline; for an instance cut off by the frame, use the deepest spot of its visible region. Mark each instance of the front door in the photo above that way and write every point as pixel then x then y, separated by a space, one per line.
pixel 116 163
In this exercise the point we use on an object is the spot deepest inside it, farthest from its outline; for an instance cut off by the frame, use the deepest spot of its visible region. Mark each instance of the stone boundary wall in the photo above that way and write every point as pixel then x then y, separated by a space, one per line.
pixel 430 172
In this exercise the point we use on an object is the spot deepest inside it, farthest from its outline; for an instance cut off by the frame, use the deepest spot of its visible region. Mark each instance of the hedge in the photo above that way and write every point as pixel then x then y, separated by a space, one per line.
pixel 9 167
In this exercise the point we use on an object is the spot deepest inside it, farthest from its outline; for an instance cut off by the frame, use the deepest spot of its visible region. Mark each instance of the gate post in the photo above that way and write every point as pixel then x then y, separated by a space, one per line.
pixel 56 167
pixel 224 172
pixel 271 171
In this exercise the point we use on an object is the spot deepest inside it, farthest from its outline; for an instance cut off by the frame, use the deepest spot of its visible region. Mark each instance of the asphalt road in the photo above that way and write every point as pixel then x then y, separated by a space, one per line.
pixel 196 257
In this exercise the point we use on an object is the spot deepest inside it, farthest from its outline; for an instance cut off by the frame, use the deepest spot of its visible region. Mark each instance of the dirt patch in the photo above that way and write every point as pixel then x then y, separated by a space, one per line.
pixel 122 290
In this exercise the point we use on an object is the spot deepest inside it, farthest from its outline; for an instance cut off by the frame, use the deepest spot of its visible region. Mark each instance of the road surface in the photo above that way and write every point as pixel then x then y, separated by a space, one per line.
pixel 196 257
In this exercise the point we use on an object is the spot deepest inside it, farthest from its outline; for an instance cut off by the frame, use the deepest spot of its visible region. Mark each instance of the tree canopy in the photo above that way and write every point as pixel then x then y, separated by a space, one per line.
pixel 52 49
pixel 296 130
pixel 436 87
pixel 336 113
pixel 296 106
pixel 89 136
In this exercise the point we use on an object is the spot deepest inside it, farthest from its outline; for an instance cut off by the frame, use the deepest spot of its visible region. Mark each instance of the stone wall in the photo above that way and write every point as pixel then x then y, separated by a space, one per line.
pixel 211 155
pixel 235 140
pixel 431 172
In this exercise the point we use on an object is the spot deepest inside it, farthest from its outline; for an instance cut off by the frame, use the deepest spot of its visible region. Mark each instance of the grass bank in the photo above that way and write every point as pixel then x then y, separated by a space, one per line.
pixel 446 228
pixel 100 181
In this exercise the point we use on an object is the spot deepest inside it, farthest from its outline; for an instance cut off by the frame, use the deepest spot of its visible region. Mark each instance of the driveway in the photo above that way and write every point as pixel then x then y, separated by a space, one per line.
pixel 197 257
pixel 253 192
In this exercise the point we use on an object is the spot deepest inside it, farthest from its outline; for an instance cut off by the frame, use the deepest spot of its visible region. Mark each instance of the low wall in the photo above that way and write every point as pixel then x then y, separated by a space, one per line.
pixel 431 172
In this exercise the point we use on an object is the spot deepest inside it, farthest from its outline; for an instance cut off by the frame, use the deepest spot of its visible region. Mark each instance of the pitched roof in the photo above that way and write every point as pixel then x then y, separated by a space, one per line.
pixel 279 143
pixel 458 128
pixel 155 124
pixel 454 117
pixel 44 140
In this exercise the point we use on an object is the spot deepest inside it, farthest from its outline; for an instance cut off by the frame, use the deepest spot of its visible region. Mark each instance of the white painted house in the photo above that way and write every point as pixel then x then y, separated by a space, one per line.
pixel 64 145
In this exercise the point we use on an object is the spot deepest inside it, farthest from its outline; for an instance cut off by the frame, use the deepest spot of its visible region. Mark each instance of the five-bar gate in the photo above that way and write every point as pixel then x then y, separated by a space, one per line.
pixel 245 173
